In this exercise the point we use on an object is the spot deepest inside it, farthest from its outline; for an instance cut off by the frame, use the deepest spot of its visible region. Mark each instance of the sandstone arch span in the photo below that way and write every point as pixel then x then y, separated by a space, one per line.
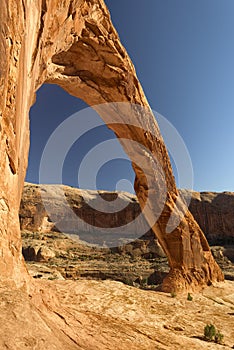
pixel 74 44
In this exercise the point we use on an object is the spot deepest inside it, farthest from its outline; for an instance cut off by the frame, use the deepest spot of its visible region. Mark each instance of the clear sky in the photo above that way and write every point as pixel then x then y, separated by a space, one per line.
pixel 183 51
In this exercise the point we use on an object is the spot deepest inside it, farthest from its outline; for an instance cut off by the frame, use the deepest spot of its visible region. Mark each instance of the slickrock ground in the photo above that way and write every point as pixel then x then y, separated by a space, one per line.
pixel 92 315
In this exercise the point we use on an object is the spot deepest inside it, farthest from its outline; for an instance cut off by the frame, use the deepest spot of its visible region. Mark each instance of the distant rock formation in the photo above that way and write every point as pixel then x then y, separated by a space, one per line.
pixel 74 44
pixel 34 216
pixel 90 228
pixel 214 213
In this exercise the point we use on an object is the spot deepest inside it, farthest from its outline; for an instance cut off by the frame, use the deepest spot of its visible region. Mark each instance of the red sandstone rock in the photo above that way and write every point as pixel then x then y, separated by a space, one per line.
pixel 74 44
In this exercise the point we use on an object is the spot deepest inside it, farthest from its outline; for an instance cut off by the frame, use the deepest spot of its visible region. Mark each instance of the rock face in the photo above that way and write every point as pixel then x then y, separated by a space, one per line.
pixel 34 216
pixel 214 213
pixel 73 44
pixel 96 315
pixel 129 223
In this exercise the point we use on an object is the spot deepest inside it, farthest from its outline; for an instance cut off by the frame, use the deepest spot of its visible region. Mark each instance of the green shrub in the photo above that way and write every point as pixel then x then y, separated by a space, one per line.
pixel 189 297
pixel 209 332
pixel 173 294
pixel 219 337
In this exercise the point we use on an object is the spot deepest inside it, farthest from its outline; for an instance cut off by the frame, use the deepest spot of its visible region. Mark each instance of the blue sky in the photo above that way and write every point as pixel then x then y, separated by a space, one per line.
pixel 183 51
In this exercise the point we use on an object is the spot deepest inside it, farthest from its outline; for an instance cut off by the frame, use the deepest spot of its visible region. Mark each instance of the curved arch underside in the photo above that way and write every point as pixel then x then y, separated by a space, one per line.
pixel 73 43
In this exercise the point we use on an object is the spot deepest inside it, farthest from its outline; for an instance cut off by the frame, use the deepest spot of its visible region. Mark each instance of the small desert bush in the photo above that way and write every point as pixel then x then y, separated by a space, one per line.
pixel 211 333
pixel 189 297
pixel 219 337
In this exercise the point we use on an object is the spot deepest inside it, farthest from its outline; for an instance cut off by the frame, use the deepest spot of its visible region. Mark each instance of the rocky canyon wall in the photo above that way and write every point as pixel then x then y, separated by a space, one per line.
pixel 214 213
pixel 73 43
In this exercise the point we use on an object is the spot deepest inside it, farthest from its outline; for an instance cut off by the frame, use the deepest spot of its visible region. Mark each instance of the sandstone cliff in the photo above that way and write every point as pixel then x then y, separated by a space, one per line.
pixel 34 216
pixel 94 225
pixel 214 213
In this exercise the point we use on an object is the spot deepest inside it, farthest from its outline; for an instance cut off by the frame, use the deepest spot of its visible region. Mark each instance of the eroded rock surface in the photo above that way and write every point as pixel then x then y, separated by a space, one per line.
pixel 74 44
pixel 93 315
pixel 214 213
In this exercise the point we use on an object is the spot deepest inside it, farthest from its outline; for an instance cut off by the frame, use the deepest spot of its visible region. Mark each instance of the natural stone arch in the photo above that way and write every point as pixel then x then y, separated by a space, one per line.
pixel 73 43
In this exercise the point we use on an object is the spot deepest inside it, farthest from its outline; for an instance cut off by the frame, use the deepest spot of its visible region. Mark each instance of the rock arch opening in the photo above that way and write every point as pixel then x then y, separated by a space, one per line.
pixel 53 106
pixel 103 171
